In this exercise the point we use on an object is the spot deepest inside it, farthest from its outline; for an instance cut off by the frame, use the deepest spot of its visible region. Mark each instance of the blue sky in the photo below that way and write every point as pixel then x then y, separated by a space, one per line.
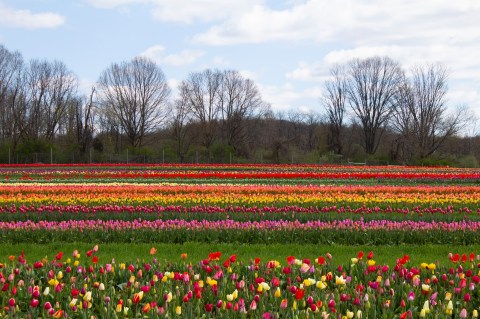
pixel 286 47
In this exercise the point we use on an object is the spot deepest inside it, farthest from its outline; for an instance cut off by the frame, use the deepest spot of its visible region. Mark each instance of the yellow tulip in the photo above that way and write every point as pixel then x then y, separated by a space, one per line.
pixel 178 310
pixel 278 293
pixel 449 309
pixel 340 280
pixel 53 282
pixel 73 302
pixel 321 285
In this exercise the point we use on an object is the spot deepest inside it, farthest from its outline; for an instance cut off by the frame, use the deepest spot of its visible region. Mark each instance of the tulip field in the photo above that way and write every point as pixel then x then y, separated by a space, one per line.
pixel 242 205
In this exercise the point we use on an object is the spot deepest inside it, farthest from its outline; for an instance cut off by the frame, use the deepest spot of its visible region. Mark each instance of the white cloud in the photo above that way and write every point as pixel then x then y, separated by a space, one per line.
pixel 462 65
pixel 360 21
pixel 26 19
pixel 288 97
pixel 185 57
pixel 247 74
pixel 85 85
pixel 185 11
pixel 461 62
pixel 110 4
pixel 409 31
pixel 173 83
pixel 317 71
pixel 281 98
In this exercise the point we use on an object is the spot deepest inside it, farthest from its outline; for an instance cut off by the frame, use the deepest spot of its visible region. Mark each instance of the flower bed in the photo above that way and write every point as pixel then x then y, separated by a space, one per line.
pixel 81 286
pixel 165 203
pixel 239 204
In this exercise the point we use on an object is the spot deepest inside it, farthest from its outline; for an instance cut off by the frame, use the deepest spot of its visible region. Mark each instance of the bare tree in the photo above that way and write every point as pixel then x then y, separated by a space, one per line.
pixel 372 84
pixel 11 91
pixel 401 123
pixel 181 118
pixel 136 94
pixel 421 114
pixel 50 88
pixel 311 121
pixel 84 122
pixel 203 91
pixel 334 101
pixel 239 100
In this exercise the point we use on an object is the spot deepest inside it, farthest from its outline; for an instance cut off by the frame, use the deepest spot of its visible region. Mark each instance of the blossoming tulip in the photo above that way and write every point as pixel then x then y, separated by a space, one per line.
pixel 178 310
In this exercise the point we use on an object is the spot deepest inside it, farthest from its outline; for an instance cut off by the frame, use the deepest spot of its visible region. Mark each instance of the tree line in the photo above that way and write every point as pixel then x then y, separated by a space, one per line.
pixel 371 109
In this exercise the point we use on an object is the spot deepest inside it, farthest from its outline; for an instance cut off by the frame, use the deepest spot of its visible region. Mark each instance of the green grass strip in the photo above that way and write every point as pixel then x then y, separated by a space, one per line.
pixel 198 251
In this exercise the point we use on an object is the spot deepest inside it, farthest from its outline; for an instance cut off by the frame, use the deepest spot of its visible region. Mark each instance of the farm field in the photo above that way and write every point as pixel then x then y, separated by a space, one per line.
pixel 239 241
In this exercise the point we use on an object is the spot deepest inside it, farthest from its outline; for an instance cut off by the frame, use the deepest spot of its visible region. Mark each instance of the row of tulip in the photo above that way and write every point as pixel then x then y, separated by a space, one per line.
pixel 82 286
pixel 269 225
pixel 53 188
pixel 261 172
pixel 246 195
pixel 344 232
pixel 235 213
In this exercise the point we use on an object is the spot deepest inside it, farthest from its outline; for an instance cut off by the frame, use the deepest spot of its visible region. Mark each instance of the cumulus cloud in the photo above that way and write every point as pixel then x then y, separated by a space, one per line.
pixel 185 11
pixel 316 71
pixel 411 32
pixel 185 57
pixel 360 21
pixel 248 74
pixel 26 19
pixel 288 97
pixel 110 4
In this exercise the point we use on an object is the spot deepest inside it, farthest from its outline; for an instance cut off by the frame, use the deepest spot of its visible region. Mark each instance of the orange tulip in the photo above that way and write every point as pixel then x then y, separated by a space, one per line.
pixel 58 314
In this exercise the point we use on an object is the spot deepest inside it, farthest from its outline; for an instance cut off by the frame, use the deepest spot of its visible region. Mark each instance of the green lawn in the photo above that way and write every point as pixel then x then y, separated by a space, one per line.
pixel 198 251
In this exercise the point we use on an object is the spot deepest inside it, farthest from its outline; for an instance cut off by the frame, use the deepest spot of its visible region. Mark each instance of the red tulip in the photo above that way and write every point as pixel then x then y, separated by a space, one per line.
pixel 299 294
pixel 34 303
pixel 208 307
